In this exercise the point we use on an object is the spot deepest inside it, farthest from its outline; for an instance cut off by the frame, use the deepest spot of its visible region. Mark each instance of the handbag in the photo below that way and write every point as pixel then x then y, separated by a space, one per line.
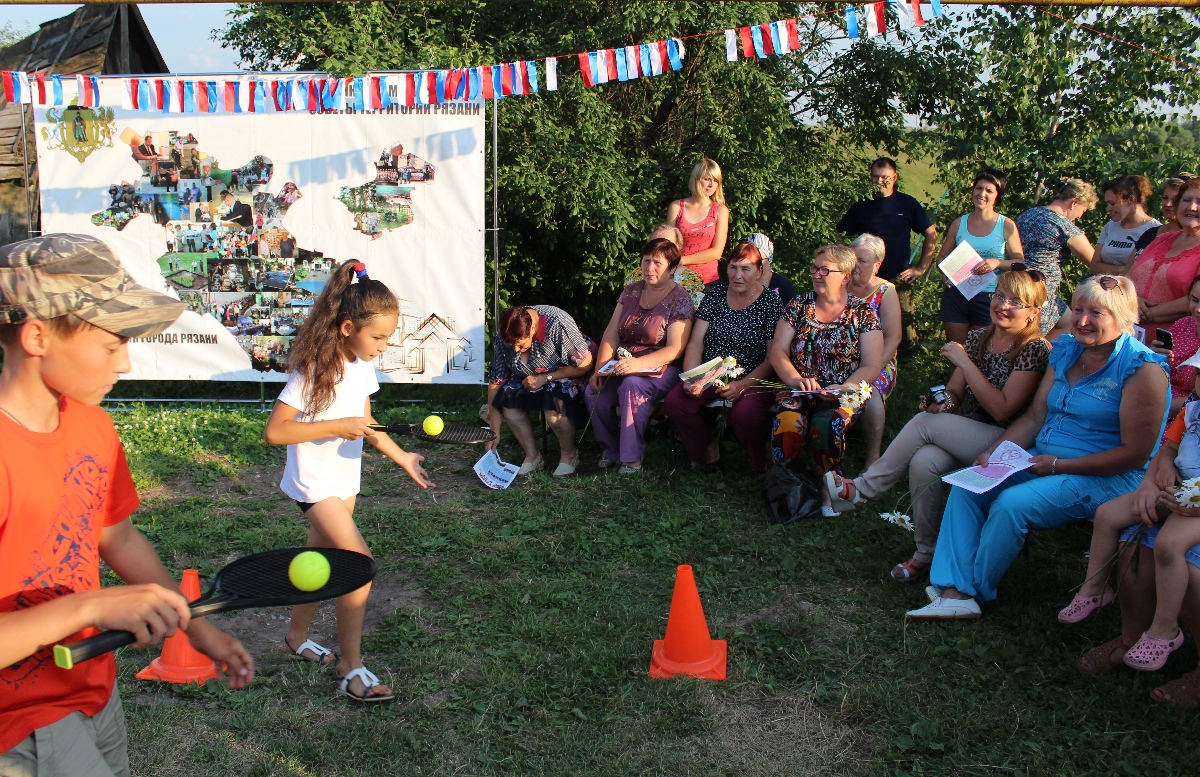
pixel 791 495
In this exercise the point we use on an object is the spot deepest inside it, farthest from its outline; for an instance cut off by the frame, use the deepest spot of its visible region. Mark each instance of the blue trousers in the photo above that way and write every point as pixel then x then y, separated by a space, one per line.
pixel 983 533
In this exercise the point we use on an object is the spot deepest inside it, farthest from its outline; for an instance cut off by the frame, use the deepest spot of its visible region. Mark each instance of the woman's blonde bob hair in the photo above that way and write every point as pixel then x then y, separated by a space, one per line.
pixel 1121 300
pixel 873 244
pixel 842 257
pixel 709 167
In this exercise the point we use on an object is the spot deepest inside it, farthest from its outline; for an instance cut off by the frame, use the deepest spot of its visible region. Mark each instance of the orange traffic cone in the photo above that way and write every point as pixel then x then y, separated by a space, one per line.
pixel 688 649
pixel 180 662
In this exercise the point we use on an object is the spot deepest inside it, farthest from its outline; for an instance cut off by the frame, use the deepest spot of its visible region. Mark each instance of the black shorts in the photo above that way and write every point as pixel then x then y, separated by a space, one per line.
pixel 957 309
pixel 304 506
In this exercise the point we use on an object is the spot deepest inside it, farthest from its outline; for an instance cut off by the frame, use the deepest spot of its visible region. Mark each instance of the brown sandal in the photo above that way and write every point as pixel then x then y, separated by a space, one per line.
pixel 1099 661
pixel 1182 693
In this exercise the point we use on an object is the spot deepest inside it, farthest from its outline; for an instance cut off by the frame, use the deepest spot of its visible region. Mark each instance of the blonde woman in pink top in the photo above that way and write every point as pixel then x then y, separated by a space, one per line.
pixel 703 220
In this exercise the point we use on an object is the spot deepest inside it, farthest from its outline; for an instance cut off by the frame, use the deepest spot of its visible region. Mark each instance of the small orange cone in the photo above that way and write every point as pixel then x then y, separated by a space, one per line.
pixel 688 649
pixel 180 662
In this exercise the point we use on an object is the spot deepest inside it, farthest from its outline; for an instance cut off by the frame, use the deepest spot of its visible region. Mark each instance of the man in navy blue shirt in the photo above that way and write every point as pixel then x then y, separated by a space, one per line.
pixel 892 216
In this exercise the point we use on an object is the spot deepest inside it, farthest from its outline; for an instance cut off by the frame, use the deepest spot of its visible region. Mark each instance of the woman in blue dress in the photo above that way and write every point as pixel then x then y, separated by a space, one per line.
pixel 1095 422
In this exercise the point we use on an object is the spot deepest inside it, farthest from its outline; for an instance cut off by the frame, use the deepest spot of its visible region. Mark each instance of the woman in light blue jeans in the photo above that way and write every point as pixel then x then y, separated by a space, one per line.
pixel 1095 422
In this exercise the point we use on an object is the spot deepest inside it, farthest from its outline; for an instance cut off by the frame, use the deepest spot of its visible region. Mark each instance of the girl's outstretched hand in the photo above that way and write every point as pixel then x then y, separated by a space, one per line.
pixel 411 463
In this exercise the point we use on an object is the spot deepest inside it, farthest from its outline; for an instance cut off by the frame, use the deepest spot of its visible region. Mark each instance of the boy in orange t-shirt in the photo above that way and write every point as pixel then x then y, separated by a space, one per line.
pixel 67 309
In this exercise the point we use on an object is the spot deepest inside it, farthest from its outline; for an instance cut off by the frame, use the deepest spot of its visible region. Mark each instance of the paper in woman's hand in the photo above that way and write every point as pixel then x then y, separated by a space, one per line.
pixel 607 369
pixel 495 473
pixel 1007 460
pixel 959 269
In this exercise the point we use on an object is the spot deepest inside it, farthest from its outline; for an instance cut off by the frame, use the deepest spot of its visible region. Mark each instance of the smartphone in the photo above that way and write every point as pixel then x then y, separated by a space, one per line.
pixel 1165 339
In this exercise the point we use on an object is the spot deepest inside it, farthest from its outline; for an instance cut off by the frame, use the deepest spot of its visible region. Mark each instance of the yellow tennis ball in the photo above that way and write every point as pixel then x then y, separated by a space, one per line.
pixel 309 570
pixel 432 425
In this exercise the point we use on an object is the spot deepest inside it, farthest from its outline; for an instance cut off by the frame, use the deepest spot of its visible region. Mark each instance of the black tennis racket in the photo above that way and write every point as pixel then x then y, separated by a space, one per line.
pixel 258 580
pixel 452 433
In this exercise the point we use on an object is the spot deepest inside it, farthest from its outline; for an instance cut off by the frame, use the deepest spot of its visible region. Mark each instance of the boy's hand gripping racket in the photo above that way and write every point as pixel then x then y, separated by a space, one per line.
pixel 453 434
pixel 257 580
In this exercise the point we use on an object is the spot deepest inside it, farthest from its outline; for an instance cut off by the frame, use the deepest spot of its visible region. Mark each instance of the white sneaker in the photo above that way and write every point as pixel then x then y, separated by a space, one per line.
pixel 943 609
pixel 628 470
pixel 933 592
pixel 605 463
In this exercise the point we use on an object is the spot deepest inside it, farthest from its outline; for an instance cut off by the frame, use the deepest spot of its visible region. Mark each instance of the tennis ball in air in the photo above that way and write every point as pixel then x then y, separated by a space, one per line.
pixel 432 425
pixel 309 570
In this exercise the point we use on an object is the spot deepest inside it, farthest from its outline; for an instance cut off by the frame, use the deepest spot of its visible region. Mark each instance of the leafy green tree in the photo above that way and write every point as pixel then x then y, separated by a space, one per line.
pixel 1046 100
pixel 585 172
pixel 10 34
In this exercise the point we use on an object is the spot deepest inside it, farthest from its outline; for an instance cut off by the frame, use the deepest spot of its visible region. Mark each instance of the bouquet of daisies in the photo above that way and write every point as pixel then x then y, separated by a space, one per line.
pixel 1187 494
pixel 852 399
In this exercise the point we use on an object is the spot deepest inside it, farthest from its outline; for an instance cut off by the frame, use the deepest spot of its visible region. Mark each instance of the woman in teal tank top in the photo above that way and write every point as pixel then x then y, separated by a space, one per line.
pixel 995 239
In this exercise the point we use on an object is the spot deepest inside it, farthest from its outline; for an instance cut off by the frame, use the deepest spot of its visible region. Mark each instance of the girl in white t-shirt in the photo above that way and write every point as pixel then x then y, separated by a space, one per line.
pixel 322 416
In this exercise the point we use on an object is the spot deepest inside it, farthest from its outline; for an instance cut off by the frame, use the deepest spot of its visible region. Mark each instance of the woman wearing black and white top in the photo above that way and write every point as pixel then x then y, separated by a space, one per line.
pixel 539 352
pixel 736 319
pixel 1125 198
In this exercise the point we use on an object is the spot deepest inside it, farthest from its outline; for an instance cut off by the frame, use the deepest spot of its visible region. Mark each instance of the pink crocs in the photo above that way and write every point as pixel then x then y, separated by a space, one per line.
pixel 1082 606
pixel 1149 654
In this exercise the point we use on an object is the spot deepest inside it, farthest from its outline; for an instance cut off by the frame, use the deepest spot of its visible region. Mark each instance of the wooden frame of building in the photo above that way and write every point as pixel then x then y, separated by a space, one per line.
pixel 92 40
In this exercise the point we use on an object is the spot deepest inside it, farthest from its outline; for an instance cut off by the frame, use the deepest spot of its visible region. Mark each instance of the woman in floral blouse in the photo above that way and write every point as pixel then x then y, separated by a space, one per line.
pixel 644 341
pixel 827 340
pixel 537 358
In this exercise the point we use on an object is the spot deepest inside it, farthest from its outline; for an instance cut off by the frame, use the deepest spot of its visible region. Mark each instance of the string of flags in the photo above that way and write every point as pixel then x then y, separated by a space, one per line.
pixel 874 16
pixel 378 91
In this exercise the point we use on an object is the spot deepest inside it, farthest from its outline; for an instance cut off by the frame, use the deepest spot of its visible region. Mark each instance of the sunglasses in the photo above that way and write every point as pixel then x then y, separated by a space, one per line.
pixel 1107 282
pixel 1036 275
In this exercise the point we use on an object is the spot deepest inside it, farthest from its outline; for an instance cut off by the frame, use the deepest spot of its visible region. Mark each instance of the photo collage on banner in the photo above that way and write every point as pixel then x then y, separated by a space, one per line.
pixel 245 216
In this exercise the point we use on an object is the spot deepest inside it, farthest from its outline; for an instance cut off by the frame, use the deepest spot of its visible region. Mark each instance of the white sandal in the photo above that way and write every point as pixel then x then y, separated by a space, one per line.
pixel 841 504
pixel 308 644
pixel 369 680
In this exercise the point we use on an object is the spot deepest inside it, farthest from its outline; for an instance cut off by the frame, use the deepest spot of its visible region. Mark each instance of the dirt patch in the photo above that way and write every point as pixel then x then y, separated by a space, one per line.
pixel 778 735
pixel 776 614
pixel 261 631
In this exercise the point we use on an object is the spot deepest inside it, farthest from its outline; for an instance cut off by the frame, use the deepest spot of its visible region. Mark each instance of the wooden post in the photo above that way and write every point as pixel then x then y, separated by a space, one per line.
pixel 123 55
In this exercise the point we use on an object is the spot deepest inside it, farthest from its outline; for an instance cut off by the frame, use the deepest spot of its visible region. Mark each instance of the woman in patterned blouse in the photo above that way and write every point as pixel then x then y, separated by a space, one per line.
pixel 827 340
pixel 644 341
pixel 538 355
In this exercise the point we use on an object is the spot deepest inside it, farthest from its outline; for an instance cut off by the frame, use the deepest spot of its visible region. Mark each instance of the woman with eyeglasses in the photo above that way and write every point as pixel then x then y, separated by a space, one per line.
pixel 1049 237
pixel 1163 272
pixel 994 238
pixel 995 377
pixel 827 341
pixel 1093 425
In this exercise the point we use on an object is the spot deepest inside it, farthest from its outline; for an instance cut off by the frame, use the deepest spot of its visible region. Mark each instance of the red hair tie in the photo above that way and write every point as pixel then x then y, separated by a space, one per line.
pixel 360 270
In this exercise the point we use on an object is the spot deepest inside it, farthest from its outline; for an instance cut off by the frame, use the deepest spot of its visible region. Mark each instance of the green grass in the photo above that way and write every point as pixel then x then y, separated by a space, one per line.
pixel 526 648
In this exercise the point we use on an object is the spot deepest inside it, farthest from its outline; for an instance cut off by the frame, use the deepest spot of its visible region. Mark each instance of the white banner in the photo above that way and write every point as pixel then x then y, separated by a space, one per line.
pixel 401 190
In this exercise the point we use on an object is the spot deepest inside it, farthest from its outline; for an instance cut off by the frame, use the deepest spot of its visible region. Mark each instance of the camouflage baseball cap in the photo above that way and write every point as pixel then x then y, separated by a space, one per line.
pixel 53 275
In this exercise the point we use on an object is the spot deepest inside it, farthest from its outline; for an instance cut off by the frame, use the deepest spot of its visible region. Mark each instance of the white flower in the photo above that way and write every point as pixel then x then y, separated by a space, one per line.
pixel 623 354
pixel 899 519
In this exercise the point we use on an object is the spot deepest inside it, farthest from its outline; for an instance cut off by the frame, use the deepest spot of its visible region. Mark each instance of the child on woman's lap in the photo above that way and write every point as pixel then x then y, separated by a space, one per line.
pixel 323 415
pixel 1153 503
